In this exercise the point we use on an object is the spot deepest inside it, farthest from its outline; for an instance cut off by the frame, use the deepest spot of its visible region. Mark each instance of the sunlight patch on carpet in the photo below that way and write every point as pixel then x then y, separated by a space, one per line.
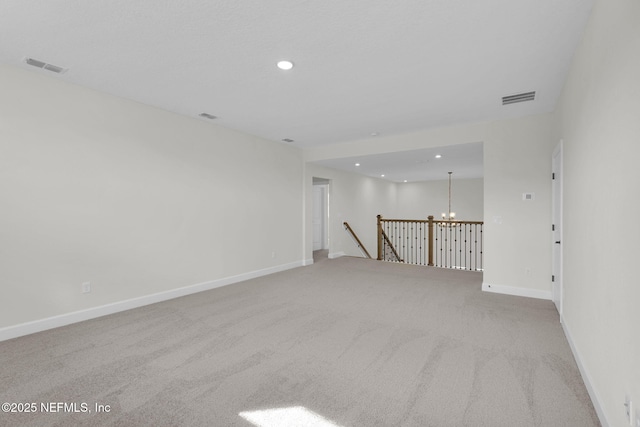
pixel 294 416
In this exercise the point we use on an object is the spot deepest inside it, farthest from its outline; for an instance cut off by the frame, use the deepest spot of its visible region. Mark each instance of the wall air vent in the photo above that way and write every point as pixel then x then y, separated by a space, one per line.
pixel 521 97
pixel 208 116
pixel 45 66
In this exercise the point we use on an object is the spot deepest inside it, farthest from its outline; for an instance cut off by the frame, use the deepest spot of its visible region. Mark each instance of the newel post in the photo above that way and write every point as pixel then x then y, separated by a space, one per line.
pixel 379 237
pixel 430 218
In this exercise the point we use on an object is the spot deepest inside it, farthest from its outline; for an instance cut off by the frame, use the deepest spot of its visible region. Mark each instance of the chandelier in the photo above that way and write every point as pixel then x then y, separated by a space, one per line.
pixel 450 216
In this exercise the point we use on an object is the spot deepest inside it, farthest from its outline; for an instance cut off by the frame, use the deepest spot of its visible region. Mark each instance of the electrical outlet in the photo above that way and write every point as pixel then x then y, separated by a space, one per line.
pixel 86 287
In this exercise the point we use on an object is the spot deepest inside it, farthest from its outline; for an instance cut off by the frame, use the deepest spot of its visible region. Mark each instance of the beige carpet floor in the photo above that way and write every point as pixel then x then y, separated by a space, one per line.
pixel 359 342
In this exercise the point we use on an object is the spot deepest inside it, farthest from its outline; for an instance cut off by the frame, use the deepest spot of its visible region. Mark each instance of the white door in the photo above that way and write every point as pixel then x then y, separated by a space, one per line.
pixel 318 217
pixel 556 228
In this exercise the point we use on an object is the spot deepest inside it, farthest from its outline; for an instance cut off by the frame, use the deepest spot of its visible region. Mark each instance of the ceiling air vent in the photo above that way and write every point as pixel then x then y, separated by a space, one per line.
pixel 521 97
pixel 287 140
pixel 208 116
pixel 45 66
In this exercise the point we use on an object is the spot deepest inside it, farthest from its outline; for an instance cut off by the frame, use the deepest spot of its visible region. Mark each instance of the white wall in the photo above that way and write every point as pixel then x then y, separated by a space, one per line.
pixel 517 159
pixel 355 199
pixel 134 199
pixel 599 120
pixel 418 200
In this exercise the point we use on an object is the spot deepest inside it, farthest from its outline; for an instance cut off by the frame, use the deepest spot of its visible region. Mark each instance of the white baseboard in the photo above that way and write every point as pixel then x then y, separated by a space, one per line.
pixel 333 255
pixel 585 376
pixel 307 262
pixel 520 292
pixel 27 328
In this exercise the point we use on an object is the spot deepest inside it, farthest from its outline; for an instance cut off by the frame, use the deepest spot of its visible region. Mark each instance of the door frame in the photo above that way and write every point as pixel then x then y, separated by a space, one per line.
pixel 557 288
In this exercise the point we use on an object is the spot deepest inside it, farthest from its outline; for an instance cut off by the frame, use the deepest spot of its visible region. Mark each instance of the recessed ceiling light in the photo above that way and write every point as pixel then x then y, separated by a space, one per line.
pixel 357 164
pixel 382 176
pixel 438 156
pixel 285 65
pixel 405 180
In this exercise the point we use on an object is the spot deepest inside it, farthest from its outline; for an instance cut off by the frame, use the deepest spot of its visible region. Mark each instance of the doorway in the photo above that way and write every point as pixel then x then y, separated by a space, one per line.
pixel 320 217
pixel 556 228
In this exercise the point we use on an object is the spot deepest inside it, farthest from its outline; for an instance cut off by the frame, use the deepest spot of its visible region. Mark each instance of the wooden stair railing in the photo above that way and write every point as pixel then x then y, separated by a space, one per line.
pixel 355 237
pixel 441 243
pixel 388 246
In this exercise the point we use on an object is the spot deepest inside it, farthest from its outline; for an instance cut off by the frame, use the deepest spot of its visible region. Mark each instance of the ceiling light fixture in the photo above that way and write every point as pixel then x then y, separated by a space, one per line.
pixel 438 156
pixel 285 65
pixel 357 164
pixel 405 180
pixel 449 218
pixel 382 176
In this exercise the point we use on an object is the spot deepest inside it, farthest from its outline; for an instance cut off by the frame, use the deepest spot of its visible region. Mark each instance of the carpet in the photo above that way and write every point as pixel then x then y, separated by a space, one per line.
pixel 356 342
